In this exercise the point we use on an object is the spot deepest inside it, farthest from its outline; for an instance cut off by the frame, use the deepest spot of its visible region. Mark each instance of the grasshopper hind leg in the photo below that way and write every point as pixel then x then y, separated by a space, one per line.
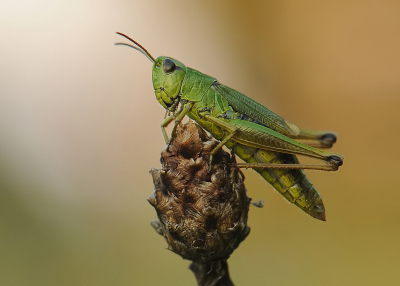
pixel 318 139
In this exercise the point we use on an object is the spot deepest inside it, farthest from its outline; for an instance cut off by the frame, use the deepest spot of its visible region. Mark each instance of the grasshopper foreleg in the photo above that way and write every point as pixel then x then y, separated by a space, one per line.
pixel 164 124
pixel 178 118
pixel 182 113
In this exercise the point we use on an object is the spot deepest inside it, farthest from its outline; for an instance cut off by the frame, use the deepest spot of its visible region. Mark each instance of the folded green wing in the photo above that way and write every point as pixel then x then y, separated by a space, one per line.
pixel 245 105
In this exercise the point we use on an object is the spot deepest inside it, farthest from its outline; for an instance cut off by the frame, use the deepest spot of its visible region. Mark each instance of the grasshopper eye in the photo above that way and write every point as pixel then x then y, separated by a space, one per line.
pixel 169 65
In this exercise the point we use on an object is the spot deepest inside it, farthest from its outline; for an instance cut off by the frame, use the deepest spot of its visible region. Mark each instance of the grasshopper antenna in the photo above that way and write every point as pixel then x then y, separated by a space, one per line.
pixel 139 47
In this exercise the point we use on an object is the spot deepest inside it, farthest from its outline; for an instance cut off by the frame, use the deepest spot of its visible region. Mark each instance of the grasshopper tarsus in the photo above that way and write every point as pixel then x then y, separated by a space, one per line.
pixel 328 139
pixel 334 160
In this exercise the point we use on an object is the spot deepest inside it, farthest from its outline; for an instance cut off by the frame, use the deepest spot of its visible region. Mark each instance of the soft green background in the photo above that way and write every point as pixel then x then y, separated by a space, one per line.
pixel 79 131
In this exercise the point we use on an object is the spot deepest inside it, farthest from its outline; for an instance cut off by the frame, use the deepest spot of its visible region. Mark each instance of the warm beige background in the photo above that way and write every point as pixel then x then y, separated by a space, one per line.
pixel 79 131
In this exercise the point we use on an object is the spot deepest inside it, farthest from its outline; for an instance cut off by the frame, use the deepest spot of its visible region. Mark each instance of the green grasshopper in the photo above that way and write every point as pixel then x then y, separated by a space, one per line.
pixel 263 139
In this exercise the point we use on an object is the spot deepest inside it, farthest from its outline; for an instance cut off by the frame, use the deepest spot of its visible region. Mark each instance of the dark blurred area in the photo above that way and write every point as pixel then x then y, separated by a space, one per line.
pixel 80 130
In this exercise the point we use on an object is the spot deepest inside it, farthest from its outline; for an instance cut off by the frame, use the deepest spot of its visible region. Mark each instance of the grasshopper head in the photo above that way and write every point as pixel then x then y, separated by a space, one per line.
pixel 168 75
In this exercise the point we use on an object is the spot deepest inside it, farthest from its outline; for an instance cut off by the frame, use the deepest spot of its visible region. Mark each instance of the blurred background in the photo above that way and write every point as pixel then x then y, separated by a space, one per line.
pixel 79 132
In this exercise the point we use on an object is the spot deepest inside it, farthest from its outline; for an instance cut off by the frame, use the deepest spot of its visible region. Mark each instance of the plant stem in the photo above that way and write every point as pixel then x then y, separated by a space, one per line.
pixel 211 274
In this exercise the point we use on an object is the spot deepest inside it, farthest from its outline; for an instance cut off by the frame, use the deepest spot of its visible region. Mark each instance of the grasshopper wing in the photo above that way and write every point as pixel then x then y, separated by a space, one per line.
pixel 247 106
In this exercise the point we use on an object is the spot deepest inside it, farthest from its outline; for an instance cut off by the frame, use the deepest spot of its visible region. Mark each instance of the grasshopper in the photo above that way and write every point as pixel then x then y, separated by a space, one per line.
pixel 261 138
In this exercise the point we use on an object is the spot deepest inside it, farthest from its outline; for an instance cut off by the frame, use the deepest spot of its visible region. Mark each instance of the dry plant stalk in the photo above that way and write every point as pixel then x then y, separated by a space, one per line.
pixel 202 213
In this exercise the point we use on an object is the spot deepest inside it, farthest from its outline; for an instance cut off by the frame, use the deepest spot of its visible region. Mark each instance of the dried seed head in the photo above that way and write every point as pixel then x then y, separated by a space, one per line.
pixel 202 214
